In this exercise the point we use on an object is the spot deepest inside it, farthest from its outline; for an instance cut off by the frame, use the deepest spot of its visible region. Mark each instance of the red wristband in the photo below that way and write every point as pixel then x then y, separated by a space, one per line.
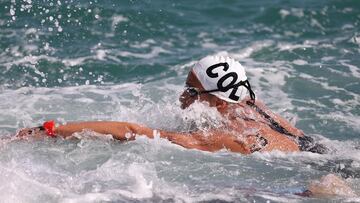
pixel 49 127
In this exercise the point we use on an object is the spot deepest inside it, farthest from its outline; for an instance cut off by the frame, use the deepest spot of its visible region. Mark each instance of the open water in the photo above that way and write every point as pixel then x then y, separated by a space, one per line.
pixel 127 60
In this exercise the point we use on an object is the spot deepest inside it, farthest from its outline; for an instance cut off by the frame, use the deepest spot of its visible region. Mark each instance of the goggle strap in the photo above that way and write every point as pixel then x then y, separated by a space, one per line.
pixel 248 87
pixel 245 83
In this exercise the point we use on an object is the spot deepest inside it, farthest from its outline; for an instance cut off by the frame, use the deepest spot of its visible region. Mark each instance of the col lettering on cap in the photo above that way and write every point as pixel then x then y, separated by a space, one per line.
pixel 220 72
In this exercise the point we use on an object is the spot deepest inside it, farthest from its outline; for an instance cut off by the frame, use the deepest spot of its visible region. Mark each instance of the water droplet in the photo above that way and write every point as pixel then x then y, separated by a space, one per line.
pixel 12 11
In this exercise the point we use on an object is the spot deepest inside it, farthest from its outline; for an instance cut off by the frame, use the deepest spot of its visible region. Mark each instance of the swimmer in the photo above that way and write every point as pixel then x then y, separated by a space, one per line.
pixel 220 82
pixel 249 125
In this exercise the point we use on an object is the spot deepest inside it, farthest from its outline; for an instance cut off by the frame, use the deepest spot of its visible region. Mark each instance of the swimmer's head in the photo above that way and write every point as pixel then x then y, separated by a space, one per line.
pixel 216 78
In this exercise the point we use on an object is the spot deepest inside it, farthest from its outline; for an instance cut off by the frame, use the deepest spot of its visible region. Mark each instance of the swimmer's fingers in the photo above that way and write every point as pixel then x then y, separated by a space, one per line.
pixel 30 132
pixel 25 132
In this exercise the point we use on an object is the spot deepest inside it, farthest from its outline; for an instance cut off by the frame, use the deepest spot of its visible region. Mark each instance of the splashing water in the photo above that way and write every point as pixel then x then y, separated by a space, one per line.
pixel 127 61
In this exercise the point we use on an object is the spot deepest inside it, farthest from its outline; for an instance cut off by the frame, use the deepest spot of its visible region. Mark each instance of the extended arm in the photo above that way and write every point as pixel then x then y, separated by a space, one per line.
pixel 119 130
pixel 124 131
pixel 212 141
pixel 127 131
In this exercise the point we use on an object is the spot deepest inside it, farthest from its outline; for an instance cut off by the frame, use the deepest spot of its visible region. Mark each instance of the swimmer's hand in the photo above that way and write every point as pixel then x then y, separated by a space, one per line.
pixel 31 132
pixel 329 186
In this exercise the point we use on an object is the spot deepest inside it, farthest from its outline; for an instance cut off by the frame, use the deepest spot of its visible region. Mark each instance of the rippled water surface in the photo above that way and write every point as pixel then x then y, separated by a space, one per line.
pixel 127 61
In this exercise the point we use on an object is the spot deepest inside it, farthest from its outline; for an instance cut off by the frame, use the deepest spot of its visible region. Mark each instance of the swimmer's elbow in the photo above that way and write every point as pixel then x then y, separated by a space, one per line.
pixel 128 131
pixel 186 140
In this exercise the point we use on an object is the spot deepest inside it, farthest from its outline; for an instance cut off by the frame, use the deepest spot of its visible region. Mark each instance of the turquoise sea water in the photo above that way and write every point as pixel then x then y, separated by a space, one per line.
pixel 128 60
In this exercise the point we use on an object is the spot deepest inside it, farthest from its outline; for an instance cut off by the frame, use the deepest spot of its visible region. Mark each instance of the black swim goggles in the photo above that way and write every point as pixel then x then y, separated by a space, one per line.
pixel 193 91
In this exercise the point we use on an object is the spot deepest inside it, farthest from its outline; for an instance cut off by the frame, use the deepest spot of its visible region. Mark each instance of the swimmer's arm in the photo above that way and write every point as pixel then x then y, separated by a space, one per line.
pixel 128 131
pixel 207 141
pixel 119 130
pixel 212 141
pixel 125 131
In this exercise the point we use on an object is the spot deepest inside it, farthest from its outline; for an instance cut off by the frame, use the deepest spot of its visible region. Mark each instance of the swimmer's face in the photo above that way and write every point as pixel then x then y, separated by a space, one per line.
pixel 185 98
pixel 188 97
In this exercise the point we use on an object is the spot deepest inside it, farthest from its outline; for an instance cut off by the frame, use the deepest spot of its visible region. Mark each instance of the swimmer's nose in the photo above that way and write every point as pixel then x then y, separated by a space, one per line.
pixel 182 99
pixel 186 100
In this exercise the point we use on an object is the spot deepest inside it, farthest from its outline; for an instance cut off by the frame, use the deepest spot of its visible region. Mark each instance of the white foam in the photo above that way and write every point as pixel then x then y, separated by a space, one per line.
pixel 297 12
pixel 209 45
pixel 353 121
pixel 347 27
pixel 356 39
pixel 30 31
pixel 328 58
pixel 270 198
pixel 264 75
pixel 291 34
pixel 117 19
pixel 316 23
pixel 284 13
pixel 300 62
pixel 14 178
pixel 254 47
pixel 288 46
pixel 142 188
pixel 144 44
pixel 155 51
pixel 355 71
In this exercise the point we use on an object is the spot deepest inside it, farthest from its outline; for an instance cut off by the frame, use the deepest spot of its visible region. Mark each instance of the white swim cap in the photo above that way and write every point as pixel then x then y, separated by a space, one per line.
pixel 222 73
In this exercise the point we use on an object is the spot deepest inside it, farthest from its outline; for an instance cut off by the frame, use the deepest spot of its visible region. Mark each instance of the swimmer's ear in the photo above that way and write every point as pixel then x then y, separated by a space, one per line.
pixel 221 104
